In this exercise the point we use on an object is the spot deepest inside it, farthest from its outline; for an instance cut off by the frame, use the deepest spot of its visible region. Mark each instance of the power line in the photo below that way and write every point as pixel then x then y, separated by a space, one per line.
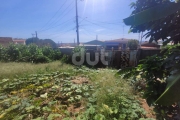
pixel 60 32
pixel 65 32
pixel 87 33
pixel 63 13
pixel 96 24
pixel 54 14
pixel 100 22
pixel 103 22
pixel 58 25
pixel 108 34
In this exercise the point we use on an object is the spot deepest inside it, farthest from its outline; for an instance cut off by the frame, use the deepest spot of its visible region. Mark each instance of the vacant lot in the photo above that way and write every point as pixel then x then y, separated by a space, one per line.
pixel 59 91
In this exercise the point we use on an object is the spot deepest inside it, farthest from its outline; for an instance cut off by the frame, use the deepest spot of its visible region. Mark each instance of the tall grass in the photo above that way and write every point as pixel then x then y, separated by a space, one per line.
pixel 109 83
pixel 13 69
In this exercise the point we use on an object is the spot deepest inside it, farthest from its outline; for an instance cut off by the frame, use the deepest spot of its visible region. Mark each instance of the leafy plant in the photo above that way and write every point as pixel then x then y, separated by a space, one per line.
pixel 31 53
pixel 160 75
pixel 133 44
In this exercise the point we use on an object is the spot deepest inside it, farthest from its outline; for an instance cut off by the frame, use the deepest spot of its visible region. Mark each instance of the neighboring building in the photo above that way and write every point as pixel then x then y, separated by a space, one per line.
pixel 19 41
pixel 149 46
pixel 5 41
pixel 93 45
pixel 95 42
pixel 116 44
pixel 66 44
pixel 108 44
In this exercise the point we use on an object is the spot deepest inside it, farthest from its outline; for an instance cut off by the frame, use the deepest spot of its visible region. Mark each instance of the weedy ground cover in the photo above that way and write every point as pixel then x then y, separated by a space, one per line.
pixel 70 93
pixel 15 70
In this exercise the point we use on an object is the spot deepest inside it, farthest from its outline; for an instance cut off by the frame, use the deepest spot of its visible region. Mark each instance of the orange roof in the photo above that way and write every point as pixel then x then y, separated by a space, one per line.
pixel 19 40
pixel 149 48
pixel 147 44
pixel 6 39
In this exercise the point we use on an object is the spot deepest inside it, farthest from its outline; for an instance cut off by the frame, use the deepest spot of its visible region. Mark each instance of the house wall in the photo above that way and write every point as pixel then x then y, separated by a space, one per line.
pixel 5 41
pixel 143 53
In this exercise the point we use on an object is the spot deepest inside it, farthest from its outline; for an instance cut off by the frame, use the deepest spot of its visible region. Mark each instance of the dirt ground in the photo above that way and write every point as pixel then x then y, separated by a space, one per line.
pixel 149 110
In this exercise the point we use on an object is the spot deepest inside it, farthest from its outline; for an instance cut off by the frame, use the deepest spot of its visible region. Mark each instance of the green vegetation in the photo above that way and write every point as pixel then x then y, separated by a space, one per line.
pixel 157 77
pixel 41 42
pixel 69 93
pixel 160 18
pixel 15 70
pixel 30 53
pixel 133 44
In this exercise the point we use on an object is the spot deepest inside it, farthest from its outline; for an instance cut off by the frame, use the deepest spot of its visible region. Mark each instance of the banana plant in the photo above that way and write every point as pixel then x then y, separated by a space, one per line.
pixel 171 94
pixel 152 14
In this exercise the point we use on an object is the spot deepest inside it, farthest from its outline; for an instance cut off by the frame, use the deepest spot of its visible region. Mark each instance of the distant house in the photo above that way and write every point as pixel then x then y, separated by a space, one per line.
pixel 108 44
pixel 95 42
pixel 116 44
pixel 5 41
pixel 66 44
pixel 19 41
pixel 93 45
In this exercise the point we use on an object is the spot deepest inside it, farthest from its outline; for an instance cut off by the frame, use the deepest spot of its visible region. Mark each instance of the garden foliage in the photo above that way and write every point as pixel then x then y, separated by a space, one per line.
pixel 28 53
pixel 158 77
pixel 158 18
pixel 59 95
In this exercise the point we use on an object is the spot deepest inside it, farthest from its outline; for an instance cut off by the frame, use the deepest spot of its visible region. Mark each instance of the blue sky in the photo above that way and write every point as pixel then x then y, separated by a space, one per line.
pixel 55 19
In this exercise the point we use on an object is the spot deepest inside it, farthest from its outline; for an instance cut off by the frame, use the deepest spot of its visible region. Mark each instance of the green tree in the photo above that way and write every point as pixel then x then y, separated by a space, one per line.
pixel 133 44
pixel 160 18
pixel 32 40
pixel 41 42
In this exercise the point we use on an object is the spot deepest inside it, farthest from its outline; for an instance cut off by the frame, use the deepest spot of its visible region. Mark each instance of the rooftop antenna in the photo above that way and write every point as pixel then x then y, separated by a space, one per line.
pixel 96 37
pixel 74 42
pixel 36 34
pixel 123 31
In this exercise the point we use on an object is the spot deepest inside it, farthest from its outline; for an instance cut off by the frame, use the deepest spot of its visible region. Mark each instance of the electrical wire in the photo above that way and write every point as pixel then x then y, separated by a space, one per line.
pixel 54 14
pixel 61 31
pixel 86 33
pixel 98 25
pixel 115 23
pixel 65 32
pixel 63 13
pixel 57 25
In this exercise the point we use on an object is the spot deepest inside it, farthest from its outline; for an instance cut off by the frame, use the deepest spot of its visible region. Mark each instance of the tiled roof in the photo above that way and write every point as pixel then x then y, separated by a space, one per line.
pixel 147 44
pixel 5 41
pixel 121 40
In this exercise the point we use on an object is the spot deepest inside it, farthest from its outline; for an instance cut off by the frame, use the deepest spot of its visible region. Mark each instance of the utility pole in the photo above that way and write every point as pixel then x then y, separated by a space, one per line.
pixel 36 34
pixel 123 31
pixel 96 37
pixel 33 37
pixel 139 39
pixel 141 36
pixel 77 24
pixel 74 42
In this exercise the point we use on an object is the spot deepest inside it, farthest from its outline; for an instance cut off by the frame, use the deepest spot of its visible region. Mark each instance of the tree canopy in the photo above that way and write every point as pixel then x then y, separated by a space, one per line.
pixel 41 42
pixel 160 18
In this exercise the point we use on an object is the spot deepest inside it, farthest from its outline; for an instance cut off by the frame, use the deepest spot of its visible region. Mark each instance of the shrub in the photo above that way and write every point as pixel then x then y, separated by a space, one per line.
pixel 161 77
pixel 41 59
pixel 66 59
pixel 133 44
pixel 11 53
pixel 28 53
pixel 57 54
